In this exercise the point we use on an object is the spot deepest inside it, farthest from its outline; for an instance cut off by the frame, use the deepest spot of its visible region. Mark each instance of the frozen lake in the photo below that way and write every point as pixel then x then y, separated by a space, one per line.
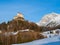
pixel 53 43
pixel 47 41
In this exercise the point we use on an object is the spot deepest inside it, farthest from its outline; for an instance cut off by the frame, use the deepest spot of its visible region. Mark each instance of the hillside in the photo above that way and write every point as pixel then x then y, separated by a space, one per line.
pixel 19 30
pixel 18 23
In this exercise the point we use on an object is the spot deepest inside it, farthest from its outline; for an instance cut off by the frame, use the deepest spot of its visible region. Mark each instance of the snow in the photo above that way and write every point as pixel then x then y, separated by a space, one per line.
pixel 14 33
pixel 52 19
pixel 26 30
pixel 51 37
pixel 51 33
pixel 42 41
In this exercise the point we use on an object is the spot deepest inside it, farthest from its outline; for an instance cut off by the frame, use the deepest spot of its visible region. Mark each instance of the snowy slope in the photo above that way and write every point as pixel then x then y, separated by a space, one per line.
pixel 42 41
pixel 50 20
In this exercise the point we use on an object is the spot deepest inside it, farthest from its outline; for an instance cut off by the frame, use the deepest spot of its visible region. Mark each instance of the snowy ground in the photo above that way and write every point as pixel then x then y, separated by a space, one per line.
pixel 51 39
pixel 42 41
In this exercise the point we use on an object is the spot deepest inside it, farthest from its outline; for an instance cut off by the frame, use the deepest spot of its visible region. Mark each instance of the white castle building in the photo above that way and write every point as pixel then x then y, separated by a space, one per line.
pixel 19 17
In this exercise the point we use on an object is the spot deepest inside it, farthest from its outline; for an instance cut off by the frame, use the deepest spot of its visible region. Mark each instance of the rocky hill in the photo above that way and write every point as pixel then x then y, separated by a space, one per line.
pixel 18 23
pixel 19 30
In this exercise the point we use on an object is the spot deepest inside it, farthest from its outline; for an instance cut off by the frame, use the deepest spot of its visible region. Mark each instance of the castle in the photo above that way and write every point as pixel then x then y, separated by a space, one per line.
pixel 19 17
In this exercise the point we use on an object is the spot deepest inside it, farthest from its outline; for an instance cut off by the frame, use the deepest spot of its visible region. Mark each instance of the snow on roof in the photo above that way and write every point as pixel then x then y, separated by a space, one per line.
pixel 19 15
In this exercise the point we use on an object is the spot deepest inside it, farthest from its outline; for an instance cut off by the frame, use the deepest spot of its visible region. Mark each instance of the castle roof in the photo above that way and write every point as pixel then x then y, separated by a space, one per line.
pixel 19 15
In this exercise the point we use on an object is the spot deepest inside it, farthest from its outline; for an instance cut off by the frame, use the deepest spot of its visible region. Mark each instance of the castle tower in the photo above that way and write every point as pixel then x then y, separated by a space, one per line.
pixel 19 17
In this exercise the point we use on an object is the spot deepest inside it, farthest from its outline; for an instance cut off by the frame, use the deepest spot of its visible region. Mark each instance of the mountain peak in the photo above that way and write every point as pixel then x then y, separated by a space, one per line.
pixel 53 13
pixel 51 20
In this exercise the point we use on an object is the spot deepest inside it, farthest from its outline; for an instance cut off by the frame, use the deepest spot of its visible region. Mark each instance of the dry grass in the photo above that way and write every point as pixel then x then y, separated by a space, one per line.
pixel 21 37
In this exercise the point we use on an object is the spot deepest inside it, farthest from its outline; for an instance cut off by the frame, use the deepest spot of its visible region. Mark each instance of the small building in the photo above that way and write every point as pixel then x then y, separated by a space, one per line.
pixel 19 17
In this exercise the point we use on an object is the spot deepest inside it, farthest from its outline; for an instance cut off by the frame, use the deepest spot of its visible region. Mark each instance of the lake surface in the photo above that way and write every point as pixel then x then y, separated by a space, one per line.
pixel 53 43
pixel 47 41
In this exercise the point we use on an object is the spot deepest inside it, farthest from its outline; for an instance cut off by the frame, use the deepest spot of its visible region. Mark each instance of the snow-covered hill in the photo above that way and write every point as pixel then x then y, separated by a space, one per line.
pixel 51 20
pixel 43 41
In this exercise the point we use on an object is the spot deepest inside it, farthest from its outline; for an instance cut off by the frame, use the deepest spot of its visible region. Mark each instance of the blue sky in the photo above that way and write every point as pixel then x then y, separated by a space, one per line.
pixel 33 10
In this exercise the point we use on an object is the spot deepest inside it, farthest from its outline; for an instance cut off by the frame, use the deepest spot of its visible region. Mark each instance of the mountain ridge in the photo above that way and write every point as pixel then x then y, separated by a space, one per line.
pixel 50 20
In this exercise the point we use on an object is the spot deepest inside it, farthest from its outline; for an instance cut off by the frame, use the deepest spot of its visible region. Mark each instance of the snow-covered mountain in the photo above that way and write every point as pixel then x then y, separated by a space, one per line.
pixel 50 20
